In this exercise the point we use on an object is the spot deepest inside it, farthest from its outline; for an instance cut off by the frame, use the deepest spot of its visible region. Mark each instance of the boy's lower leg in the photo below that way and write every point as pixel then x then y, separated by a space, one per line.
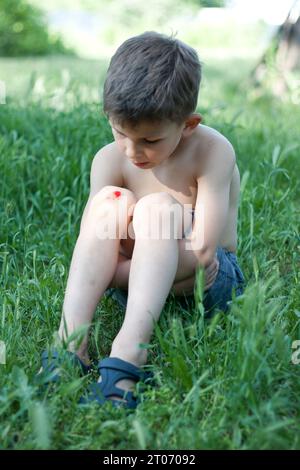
pixel 93 266
pixel 153 270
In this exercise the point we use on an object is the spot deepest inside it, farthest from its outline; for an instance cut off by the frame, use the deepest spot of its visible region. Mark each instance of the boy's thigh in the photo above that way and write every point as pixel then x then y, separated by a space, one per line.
pixel 127 244
pixel 185 287
pixel 185 223
pixel 126 247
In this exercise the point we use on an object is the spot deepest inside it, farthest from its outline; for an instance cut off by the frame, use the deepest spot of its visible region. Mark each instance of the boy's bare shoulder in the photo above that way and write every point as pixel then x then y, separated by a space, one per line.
pixel 212 151
pixel 109 152
pixel 209 136
pixel 110 157
pixel 107 165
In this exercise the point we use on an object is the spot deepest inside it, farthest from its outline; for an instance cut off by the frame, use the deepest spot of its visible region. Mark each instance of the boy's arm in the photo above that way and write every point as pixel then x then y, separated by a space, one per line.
pixel 212 204
pixel 105 171
pixel 211 209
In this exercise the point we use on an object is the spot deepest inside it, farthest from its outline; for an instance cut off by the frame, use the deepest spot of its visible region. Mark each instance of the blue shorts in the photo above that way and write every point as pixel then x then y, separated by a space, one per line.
pixel 229 278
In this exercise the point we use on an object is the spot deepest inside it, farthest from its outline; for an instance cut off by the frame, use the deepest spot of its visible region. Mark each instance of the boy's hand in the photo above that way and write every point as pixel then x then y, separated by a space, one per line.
pixel 186 287
pixel 211 272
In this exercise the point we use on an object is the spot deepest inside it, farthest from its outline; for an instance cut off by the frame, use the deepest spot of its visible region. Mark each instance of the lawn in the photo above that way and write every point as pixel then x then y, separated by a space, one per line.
pixel 227 384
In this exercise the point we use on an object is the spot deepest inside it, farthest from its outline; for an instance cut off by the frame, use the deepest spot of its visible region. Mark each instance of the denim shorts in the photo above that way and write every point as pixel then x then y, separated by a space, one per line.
pixel 229 279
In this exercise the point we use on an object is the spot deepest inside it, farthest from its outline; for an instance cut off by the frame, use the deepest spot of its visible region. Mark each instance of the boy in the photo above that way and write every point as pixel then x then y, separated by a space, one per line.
pixel 161 158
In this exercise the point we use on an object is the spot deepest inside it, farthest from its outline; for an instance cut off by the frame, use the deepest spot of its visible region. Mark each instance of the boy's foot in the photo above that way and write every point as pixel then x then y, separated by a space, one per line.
pixel 114 370
pixel 53 361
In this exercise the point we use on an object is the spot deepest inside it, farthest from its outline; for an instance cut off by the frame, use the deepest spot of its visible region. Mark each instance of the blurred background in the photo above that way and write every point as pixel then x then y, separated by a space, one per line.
pixel 50 47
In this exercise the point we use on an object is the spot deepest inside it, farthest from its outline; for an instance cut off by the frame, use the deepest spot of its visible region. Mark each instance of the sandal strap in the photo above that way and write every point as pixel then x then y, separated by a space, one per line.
pixel 102 395
pixel 126 370
pixel 112 370
pixel 130 371
pixel 52 359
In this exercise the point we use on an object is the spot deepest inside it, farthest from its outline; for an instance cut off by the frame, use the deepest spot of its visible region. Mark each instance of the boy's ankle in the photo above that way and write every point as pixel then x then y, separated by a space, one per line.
pixel 137 357
pixel 81 352
pixel 85 359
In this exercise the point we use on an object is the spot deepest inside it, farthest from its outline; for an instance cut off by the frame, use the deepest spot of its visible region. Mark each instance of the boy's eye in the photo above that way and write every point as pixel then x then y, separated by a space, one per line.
pixel 145 140
pixel 151 141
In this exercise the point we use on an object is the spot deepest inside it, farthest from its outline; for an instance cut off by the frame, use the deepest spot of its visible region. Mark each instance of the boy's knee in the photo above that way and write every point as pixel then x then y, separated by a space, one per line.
pixel 156 207
pixel 113 193
pixel 112 200
pixel 155 200
pixel 113 206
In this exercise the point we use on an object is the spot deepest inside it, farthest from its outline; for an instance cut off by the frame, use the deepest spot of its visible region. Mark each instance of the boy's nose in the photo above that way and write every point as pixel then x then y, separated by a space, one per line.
pixel 131 150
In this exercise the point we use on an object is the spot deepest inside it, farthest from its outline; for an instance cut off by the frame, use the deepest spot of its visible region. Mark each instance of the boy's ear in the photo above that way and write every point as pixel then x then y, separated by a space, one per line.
pixel 191 124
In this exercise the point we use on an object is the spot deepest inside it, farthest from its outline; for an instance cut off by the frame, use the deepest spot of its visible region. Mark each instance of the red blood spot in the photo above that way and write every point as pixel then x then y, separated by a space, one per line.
pixel 117 193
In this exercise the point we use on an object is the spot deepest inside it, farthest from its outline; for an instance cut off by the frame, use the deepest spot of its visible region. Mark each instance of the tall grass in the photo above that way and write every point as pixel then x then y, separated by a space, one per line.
pixel 224 384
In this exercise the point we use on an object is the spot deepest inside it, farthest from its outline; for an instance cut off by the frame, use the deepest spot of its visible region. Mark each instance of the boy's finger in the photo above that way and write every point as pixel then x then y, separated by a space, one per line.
pixel 211 277
pixel 214 265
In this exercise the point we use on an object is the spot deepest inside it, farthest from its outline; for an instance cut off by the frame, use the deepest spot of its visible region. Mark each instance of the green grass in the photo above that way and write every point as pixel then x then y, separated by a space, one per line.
pixel 227 384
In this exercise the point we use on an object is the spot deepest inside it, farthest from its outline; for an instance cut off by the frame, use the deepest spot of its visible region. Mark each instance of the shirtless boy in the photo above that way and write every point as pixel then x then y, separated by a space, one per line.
pixel 162 157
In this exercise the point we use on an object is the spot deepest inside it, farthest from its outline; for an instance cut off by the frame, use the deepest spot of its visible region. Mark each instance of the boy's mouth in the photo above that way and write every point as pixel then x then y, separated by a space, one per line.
pixel 140 164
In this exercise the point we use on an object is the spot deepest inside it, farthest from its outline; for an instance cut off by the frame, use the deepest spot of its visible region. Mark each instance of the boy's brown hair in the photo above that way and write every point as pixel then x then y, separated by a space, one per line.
pixel 152 77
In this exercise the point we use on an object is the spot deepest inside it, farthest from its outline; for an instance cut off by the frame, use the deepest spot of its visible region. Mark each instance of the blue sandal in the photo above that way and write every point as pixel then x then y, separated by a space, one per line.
pixel 53 360
pixel 113 369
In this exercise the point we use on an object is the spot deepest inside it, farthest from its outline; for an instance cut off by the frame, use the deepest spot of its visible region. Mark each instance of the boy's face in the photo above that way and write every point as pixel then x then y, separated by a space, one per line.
pixel 148 144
